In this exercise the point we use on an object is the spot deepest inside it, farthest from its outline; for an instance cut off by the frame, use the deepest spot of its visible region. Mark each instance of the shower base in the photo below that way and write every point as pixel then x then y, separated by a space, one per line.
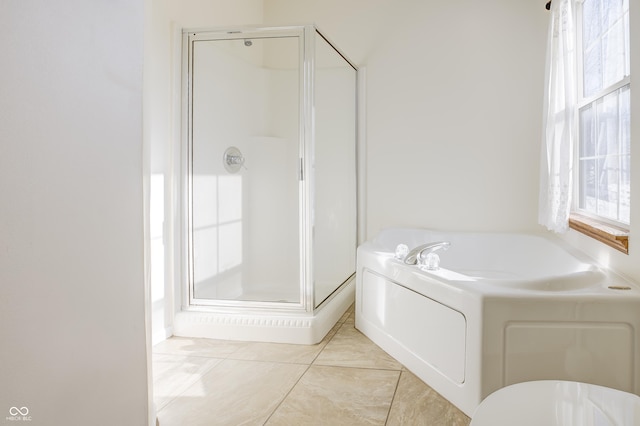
pixel 276 327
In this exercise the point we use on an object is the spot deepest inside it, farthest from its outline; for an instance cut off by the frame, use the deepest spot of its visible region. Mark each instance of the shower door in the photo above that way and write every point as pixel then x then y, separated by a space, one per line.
pixel 244 166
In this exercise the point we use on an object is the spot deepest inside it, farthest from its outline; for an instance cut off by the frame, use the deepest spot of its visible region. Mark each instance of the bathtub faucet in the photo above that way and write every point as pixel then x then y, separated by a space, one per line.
pixel 423 250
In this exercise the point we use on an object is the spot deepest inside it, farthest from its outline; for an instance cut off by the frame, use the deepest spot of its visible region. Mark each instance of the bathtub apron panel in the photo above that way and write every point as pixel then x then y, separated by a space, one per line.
pixel 440 340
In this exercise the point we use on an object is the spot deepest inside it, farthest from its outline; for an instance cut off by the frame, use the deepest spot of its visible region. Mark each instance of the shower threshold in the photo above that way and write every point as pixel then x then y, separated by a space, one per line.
pixel 261 326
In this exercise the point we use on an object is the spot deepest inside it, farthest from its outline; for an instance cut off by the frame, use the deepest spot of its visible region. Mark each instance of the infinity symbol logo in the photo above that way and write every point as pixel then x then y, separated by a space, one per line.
pixel 14 411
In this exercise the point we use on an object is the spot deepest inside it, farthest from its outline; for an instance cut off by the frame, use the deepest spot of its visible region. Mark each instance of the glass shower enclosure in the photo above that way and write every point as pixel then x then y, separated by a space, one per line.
pixel 270 169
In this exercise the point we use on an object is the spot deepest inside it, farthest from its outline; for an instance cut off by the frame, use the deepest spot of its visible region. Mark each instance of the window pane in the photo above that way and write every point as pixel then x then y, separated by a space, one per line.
pixel 608 186
pixel 593 69
pixel 614 60
pixel 625 190
pixel 590 22
pixel 605 44
pixel 588 133
pixel 587 185
pixel 608 125
pixel 612 11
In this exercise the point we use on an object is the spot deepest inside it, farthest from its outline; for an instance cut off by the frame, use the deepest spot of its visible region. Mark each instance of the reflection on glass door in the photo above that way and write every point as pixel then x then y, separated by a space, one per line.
pixel 244 167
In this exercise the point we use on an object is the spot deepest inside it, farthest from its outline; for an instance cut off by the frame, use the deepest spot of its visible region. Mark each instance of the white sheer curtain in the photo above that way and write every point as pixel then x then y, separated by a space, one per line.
pixel 559 119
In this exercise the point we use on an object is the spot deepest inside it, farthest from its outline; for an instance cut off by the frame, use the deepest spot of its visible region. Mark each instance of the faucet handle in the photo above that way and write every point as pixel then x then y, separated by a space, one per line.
pixel 401 251
pixel 430 262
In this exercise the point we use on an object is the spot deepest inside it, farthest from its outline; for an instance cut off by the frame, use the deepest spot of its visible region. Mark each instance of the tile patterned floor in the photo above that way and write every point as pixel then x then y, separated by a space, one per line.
pixel 344 380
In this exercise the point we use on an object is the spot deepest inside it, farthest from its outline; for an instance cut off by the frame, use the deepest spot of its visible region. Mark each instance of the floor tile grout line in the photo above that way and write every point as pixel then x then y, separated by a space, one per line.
pixel 313 361
pixel 336 366
pixel 287 395
pixel 395 391
pixel 359 367
pixel 266 361
pixel 303 374
pixel 189 355
pixel 347 366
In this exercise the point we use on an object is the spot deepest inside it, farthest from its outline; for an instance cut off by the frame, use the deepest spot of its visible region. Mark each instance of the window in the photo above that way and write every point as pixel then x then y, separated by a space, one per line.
pixel 604 142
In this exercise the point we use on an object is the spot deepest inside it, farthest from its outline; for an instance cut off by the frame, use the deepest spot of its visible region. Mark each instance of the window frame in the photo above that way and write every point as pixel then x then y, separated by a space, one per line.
pixel 611 232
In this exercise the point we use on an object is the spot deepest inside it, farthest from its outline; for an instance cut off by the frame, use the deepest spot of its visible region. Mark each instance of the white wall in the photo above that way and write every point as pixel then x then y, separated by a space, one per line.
pixel 72 320
pixel 453 117
pixel 453 106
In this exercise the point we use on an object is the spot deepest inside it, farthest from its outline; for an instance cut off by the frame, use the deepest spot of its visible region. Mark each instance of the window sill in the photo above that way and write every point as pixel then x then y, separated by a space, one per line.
pixel 610 235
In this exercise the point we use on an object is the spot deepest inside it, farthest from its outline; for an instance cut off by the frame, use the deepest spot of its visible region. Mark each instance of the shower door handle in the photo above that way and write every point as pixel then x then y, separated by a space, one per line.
pixel 301 171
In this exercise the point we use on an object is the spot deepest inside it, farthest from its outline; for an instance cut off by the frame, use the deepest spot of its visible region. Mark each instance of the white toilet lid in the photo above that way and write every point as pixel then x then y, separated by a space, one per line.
pixel 558 403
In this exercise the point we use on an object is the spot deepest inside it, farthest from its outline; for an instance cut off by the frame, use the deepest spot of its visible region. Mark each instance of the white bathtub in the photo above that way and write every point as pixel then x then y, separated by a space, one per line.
pixel 502 309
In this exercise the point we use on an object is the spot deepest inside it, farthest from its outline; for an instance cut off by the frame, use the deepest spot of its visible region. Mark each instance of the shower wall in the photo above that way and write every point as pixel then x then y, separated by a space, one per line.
pixel 334 172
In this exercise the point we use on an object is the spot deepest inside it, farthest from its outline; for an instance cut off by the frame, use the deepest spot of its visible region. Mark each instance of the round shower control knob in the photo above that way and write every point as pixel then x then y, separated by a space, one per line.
pixel 232 159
